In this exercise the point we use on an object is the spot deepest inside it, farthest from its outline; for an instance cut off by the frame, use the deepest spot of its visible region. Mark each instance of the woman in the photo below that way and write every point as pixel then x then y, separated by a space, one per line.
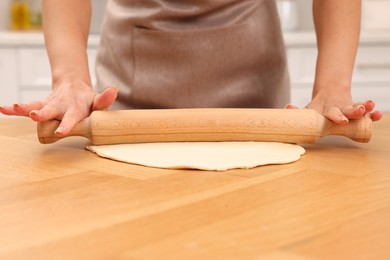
pixel 186 53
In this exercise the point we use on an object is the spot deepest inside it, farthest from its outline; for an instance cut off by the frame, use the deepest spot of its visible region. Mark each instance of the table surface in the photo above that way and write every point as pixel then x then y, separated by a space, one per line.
pixel 60 201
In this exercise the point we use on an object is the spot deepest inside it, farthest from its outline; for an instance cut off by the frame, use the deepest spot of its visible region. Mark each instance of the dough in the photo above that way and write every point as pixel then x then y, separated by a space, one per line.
pixel 217 156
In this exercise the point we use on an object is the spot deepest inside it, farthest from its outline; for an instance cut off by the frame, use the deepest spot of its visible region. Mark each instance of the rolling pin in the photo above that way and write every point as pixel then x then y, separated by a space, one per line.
pixel 203 124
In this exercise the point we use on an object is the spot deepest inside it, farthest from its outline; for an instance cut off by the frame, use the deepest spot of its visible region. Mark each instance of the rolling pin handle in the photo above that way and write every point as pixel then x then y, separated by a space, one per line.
pixel 358 130
pixel 46 131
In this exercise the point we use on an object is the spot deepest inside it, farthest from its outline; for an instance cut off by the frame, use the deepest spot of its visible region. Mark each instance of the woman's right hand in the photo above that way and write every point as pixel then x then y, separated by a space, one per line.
pixel 69 103
pixel 66 31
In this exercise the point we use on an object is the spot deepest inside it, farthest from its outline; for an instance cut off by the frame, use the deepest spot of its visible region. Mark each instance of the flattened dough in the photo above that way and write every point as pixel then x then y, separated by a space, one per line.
pixel 218 156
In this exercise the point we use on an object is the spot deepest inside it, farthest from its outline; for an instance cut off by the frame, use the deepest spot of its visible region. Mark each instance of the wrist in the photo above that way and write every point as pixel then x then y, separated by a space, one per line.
pixel 332 86
pixel 61 79
pixel 69 82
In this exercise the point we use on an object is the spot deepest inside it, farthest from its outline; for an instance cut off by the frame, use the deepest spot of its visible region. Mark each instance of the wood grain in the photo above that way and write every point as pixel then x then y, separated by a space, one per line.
pixel 60 201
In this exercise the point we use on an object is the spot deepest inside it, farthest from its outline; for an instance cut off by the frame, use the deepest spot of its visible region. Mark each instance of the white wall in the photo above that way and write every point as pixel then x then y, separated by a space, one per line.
pixel 305 14
pixel 98 7
pixel 97 14
pixel 4 14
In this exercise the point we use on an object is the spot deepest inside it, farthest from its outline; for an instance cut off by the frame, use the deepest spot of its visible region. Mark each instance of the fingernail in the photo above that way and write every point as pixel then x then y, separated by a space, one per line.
pixel 344 119
pixel 34 112
pixel 59 130
pixel 361 108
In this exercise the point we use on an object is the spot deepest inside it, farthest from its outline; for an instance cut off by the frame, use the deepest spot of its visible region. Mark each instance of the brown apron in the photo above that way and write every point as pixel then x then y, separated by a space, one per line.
pixel 188 53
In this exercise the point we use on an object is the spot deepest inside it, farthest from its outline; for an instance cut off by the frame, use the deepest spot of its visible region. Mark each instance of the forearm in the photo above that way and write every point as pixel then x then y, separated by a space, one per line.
pixel 66 29
pixel 337 25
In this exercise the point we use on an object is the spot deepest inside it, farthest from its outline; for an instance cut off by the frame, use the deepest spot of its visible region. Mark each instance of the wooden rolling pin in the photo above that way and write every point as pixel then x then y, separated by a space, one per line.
pixel 220 124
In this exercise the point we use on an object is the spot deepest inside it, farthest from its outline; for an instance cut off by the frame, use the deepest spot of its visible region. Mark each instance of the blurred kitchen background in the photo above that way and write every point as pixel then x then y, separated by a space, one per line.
pixel 25 71
pixel 290 10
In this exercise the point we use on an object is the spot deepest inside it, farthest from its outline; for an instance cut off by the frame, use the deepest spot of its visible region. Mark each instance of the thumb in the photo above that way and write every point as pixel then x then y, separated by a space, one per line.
pixel 290 106
pixel 105 99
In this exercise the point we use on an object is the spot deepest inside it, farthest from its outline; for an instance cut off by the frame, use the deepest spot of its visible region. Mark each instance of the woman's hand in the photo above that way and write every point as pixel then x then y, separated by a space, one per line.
pixel 339 107
pixel 66 33
pixel 337 26
pixel 69 103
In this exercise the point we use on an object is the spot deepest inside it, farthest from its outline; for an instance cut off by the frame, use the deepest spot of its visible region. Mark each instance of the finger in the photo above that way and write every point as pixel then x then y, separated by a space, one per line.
pixel 105 99
pixel 352 112
pixel 369 105
pixel 376 115
pixel 290 106
pixel 69 120
pixel 44 114
pixel 7 110
pixel 334 114
pixel 25 109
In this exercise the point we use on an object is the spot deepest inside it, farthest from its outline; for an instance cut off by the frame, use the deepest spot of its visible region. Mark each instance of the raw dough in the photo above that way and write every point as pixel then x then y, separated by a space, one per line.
pixel 217 156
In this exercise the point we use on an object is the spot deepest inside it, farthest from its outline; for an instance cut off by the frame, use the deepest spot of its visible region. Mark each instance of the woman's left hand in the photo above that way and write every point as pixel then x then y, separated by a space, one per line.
pixel 340 108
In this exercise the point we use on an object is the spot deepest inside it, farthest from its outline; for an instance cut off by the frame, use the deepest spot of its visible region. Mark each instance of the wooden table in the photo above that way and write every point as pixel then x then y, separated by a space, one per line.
pixel 60 201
